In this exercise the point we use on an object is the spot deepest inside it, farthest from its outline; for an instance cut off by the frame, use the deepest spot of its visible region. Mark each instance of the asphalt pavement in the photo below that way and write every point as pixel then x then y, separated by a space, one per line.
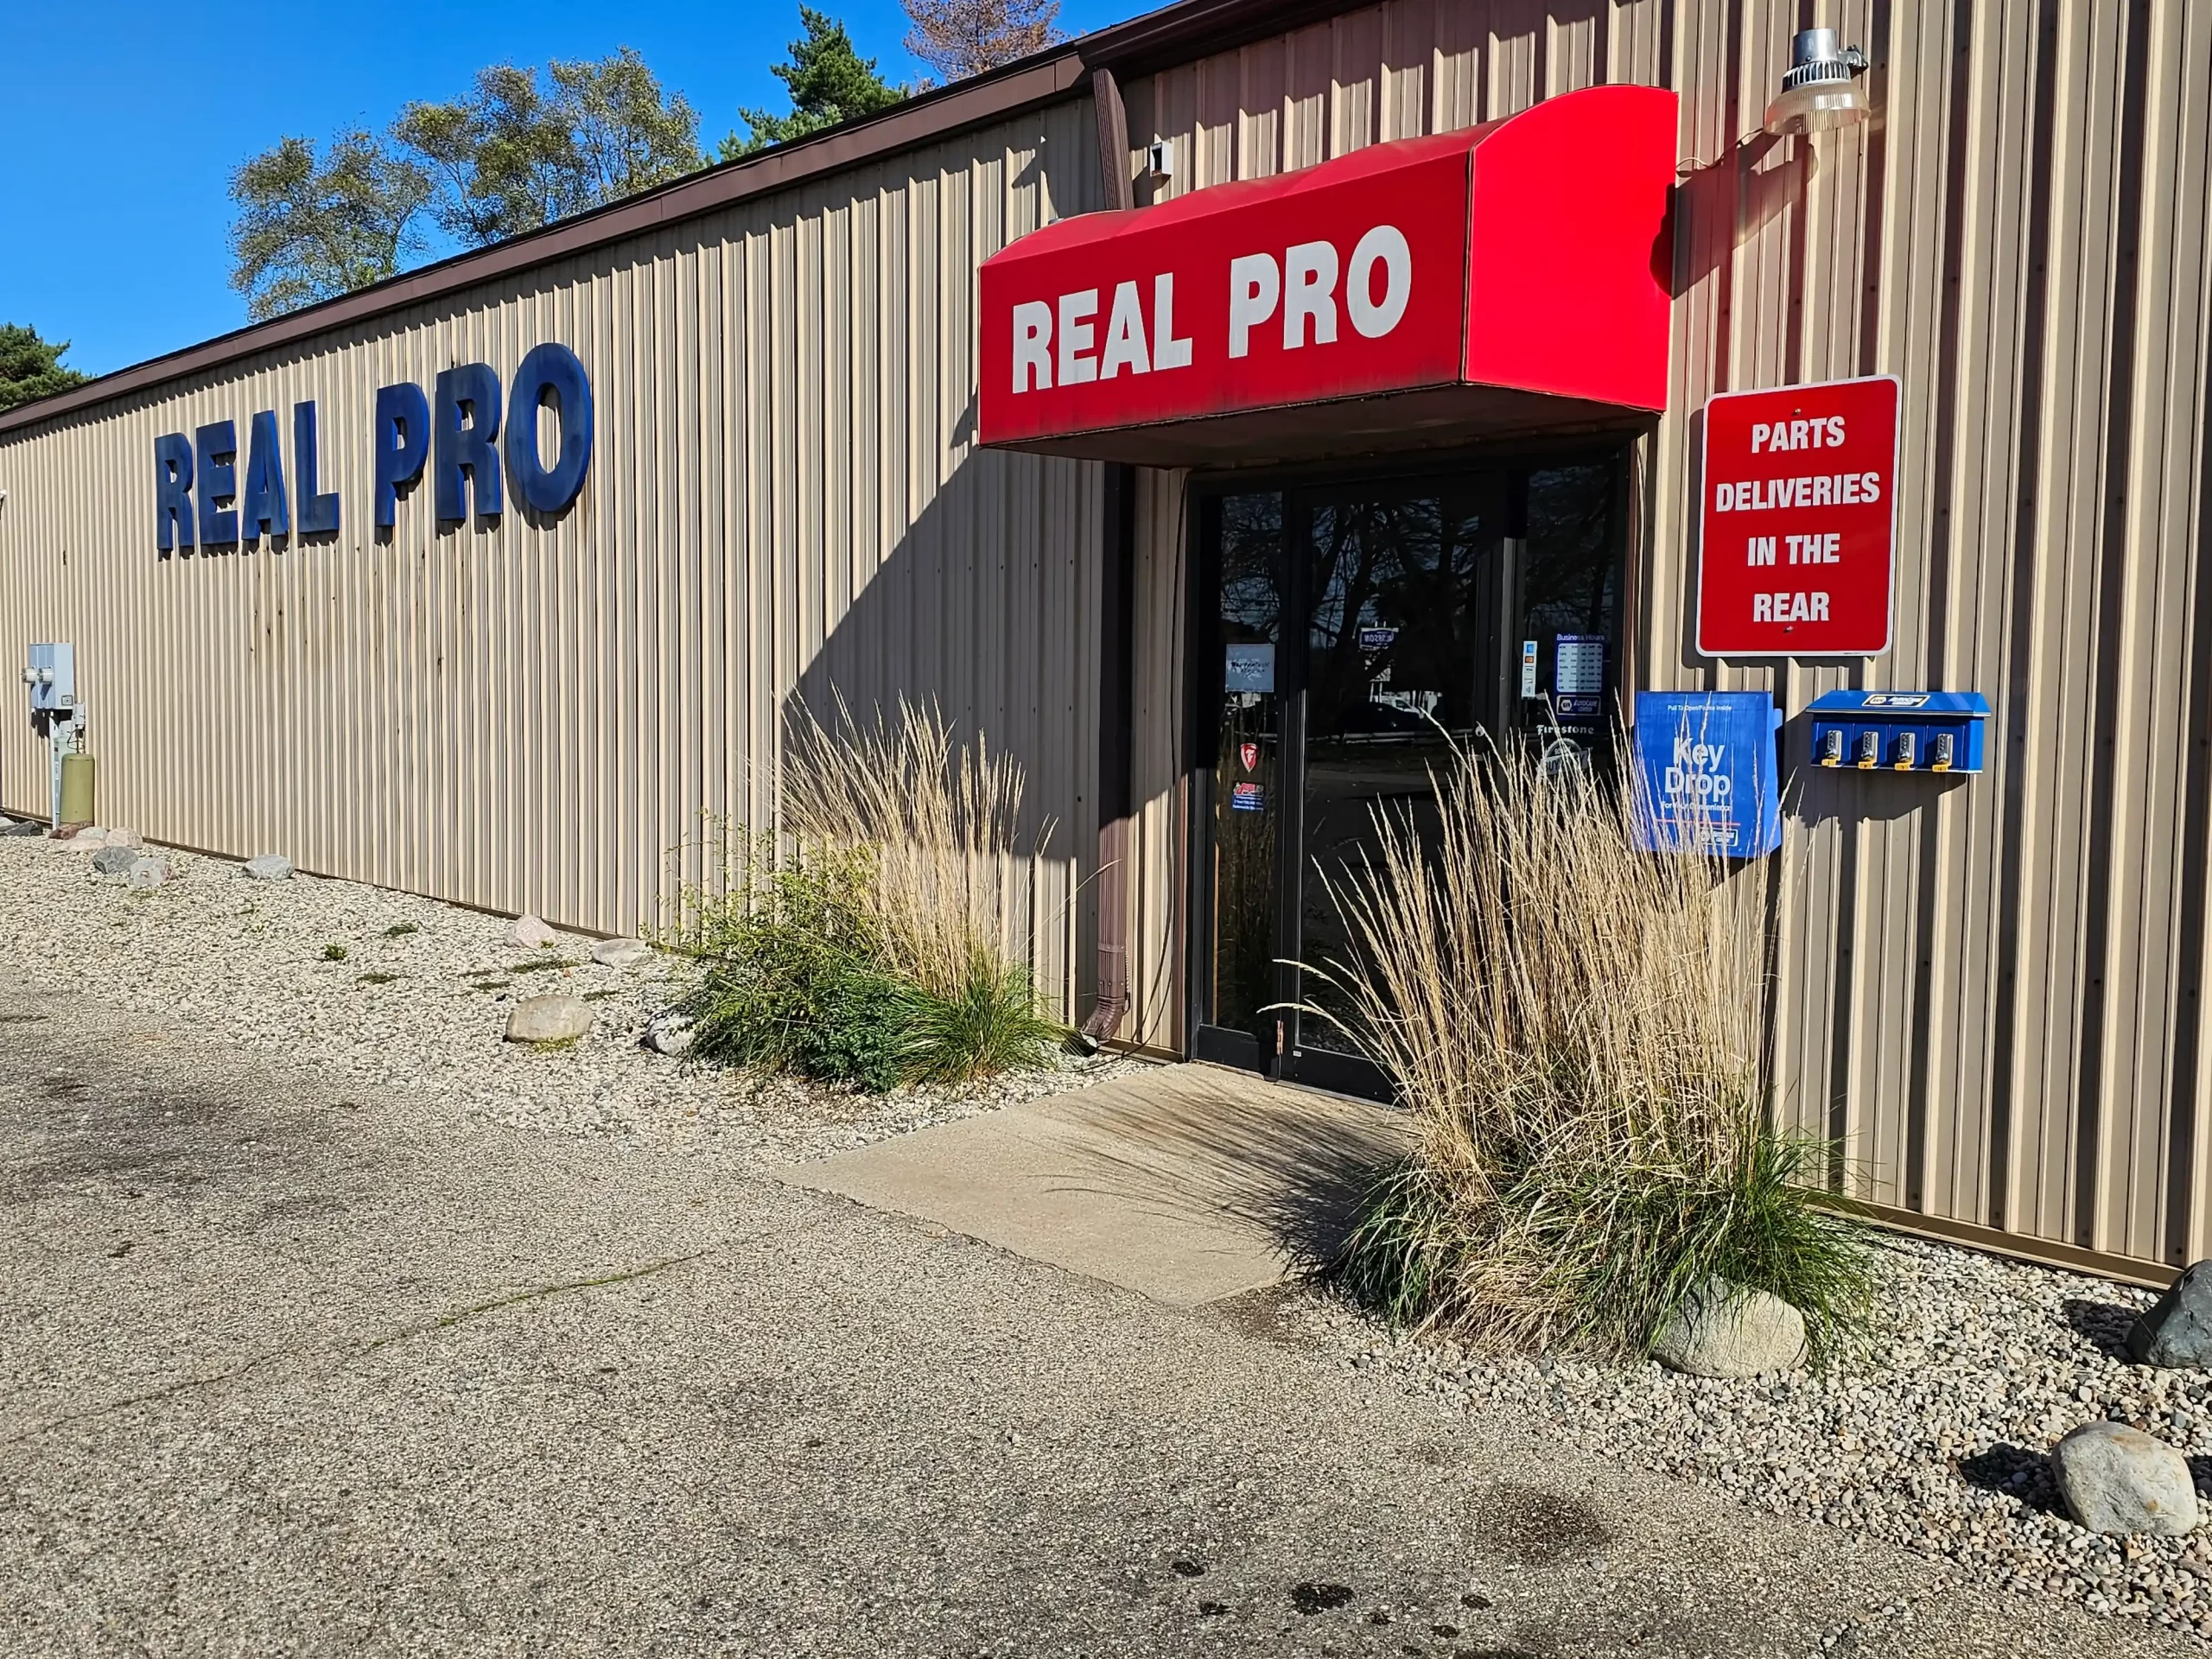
pixel 288 1371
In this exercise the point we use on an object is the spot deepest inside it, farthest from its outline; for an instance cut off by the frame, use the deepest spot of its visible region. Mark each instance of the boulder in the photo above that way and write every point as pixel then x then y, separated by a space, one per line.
pixel 269 866
pixel 23 827
pixel 2118 1480
pixel 532 933
pixel 2176 1331
pixel 147 874
pixel 620 953
pixel 1725 1330
pixel 668 1032
pixel 124 838
pixel 551 1019
pixel 114 860
pixel 88 840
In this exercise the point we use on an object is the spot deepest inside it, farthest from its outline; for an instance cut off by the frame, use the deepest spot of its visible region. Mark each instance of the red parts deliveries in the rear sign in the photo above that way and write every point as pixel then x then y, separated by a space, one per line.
pixel 1798 551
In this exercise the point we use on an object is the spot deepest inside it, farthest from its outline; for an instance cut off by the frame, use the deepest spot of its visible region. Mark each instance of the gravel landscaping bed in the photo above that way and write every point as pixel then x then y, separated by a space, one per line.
pixel 1935 1441
pixel 398 995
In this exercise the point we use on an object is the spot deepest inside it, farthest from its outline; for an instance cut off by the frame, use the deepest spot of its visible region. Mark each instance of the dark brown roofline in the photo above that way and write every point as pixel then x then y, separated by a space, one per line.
pixel 1174 34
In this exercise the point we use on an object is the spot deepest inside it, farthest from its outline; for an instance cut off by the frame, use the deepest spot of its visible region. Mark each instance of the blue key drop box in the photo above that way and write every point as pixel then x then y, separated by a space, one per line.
pixel 1707 770
pixel 1928 731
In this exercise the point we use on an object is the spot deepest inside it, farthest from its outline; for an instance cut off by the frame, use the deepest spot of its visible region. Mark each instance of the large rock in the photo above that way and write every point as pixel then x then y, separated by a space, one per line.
pixel 124 838
pixel 551 1019
pixel 532 933
pixel 147 874
pixel 620 953
pixel 23 827
pixel 2176 1331
pixel 2119 1480
pixel 269 866
pixel 114 860
pixel 668 1032
pixel 90 839
pixel 1725 1330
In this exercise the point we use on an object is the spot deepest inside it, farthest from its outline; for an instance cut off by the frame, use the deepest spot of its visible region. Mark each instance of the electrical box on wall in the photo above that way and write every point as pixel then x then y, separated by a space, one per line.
pixel 1899 731
pixel 51 678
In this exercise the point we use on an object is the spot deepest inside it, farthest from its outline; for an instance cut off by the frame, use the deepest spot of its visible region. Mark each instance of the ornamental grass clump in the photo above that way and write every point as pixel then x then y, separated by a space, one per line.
pixel 876 947
pixel 1575 1026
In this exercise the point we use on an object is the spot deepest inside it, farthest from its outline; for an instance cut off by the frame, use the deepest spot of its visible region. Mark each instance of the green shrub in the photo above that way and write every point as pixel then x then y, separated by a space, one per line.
pixel 786 984
pixel 876 956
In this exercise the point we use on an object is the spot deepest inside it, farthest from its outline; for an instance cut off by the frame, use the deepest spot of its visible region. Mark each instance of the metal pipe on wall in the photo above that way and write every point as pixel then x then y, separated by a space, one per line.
pixel 1117 629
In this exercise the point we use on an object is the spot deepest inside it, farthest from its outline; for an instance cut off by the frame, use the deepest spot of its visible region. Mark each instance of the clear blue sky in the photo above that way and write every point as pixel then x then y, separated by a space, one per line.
pixel 123 123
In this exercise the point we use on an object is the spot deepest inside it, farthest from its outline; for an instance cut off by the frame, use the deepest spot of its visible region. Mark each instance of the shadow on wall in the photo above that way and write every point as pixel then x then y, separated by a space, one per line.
pixel 986 608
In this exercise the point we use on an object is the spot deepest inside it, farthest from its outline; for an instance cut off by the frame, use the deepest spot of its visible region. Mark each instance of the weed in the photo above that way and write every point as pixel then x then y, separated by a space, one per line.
pixel 376 979
pixel 401 929
pixel 489 984
pixel 1574 1025
pixel 334 953
pixel 598 996
pixel 539 965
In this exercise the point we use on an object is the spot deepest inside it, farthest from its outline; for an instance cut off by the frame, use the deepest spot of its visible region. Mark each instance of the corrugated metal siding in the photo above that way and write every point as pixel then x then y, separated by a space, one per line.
pixel 785 499
pixel 1993 990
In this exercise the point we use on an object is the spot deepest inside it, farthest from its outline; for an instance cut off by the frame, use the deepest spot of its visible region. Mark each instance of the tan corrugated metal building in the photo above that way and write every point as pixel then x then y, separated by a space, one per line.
pixel 1993 988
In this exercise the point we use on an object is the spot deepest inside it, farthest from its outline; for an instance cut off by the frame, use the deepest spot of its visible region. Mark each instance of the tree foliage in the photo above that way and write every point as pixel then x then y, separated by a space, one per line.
pixel 828 81
pixel 959 38
pixel 31 367
pixel 309 229
pixel 526 147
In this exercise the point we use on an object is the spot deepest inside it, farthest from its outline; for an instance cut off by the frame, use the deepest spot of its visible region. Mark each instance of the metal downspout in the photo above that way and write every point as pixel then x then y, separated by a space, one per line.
pixel 1117 643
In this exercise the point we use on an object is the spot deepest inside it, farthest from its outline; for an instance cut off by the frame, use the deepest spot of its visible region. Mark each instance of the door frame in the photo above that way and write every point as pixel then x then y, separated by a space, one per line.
pixel 1324 1069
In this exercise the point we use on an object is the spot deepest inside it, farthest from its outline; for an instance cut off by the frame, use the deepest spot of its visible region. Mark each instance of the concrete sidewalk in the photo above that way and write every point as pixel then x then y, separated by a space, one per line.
pixel 1186 1184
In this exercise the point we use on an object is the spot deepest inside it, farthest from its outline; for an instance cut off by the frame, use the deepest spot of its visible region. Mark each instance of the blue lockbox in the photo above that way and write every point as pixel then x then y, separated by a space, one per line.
pixel 1707 778
pixel 1935 732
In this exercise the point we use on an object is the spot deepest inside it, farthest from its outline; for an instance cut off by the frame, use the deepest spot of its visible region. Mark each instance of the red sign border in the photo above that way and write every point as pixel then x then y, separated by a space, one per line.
pixel 1705 486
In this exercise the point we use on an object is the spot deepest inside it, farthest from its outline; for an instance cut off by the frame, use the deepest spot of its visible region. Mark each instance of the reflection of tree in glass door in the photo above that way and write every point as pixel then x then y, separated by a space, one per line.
pixel 1247 765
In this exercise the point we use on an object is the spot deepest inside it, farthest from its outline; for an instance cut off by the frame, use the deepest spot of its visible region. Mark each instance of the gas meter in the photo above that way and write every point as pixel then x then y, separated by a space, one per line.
pixel 57 715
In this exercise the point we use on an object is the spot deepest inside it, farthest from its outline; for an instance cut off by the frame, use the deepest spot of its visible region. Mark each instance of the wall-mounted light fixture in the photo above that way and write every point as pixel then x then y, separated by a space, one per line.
pixel 1820 89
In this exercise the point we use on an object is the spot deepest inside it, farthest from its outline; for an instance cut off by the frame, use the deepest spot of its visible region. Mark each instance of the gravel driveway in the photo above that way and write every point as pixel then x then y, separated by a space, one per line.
pixel 310 1359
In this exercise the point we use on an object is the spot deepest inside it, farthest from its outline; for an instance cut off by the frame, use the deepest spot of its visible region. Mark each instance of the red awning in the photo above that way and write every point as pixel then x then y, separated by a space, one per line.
pixel 1511 278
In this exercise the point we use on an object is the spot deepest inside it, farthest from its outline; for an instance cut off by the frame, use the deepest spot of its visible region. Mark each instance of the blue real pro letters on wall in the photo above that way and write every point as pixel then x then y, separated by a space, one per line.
pixel 206 496
pixel 1706 760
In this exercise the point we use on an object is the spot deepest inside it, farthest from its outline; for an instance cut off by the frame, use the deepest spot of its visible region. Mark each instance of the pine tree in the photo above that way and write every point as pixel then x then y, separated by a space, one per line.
pixel 31 367
pixel 830 83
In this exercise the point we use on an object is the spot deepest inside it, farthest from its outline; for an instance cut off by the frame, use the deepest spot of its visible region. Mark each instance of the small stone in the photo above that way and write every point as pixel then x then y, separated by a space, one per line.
pixel 668 1032
pixel 551 1019
pixel 532 933
pixel 1725 1330
pixel 2118 1480
pixel 2176 1331
pixel 620 953
pixel 147 874
pixel 269 866
pixel 114 860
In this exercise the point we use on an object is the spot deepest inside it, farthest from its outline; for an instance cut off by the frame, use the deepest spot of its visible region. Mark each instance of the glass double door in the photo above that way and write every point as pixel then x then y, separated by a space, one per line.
pixel 1350 640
